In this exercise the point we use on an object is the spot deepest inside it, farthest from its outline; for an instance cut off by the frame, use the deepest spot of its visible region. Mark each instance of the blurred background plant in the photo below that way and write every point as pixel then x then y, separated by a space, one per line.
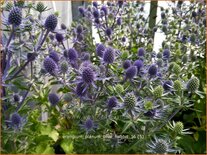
pixel 103 75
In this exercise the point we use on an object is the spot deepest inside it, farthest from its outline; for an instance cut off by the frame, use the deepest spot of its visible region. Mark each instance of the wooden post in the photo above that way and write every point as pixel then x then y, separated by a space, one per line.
pixel 153 15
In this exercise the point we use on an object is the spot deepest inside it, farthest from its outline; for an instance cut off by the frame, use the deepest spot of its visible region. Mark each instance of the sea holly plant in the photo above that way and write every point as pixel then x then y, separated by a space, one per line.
pixel 65 92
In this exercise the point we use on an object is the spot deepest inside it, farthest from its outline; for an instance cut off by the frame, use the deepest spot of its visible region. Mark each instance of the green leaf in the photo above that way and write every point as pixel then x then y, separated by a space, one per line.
pixel 127 126
pixel 67 146
pixel 44 149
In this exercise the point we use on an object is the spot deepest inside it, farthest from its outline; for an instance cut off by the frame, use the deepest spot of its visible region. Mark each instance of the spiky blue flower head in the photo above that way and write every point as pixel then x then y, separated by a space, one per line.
pixel 104 9
pixel 126 64
pixel 192 84
pixel 59 37
pixel 97 21
pixel 79 29
pixel 54 56
pixel 160 146
pixel 88 75
pixel 50 65
pixel 152 70
pixel 51 22
pixel 15 16
pixel 89 125
pixel 81 10
pixel 80 89
pixel 16 119
pixel 85 56
pixel 159 62
pixel 130 100
pixel 40 7
pixel 159 55
pixel 166 54
pixel 112 102
pixel 109 55
pixel 64 67
pixel 141 52
pixel 95 4
pixel 63 26
pixel 16 98
pixel 120 3
pixel 96 13
pixel 168 85
pixel 72 54
pixel 131 72
pixel 163 15
pixel 139 64
pixel 123 39
pixel 108 3
pixel 100 48
pixel 108 31
pixel 194 14
pixel 80 37
pixel 119 21
pixel 51 36
pixel 53 99
pixel 8 6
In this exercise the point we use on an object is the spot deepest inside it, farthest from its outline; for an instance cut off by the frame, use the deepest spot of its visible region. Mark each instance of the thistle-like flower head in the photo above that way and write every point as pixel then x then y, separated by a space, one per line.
pixel 15 16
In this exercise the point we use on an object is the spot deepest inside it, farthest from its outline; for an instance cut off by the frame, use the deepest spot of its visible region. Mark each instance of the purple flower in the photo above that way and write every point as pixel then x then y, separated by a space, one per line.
pixel 126 64
pixel 109 55
pixel 85 56
pixel 108 3
pixel 88 75
pixel 16 120
pixel 100 48
pixel 53 99
pixel 50 65
pixel 51 22
pixel 152 70
pixel 123 39
pixel 96 14
pixel 80 37
pixel 139 64
pixel 89 125
pixel 131 72
pixel 97 21
pixel 63 27
pixel 51 36
pixel 104 9
pixel 95 4
pixel 112 103
pixel 15 16
pixel 141 52
pixel 166 54
pixel 119 21
pixel 194 14
pixel 79 29
pixel 16 98
pixel 72 54
pixel 54 56
pixel 80 89
pixel 108 32
pixel 81 10
pixel 59 37
pixel 167 85
pixel 120 3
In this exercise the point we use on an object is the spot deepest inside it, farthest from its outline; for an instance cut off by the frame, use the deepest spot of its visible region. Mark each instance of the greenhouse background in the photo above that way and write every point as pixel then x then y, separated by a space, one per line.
pixel 106 77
